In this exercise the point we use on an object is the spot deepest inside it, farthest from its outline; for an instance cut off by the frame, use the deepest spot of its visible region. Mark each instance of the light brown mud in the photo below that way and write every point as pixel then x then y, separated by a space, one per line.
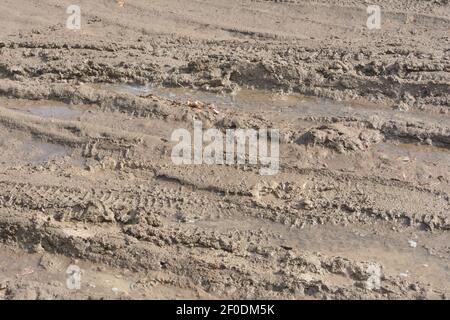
pixel 87 178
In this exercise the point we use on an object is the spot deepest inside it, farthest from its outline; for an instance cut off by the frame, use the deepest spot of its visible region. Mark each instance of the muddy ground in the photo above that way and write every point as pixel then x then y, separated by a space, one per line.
pixel 360 208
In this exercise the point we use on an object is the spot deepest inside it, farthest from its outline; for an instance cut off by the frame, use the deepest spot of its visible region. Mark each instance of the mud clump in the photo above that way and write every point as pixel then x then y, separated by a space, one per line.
pixel 340 138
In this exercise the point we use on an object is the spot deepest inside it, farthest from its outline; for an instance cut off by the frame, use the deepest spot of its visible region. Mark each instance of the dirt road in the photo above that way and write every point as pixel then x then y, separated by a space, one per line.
pixel 360 207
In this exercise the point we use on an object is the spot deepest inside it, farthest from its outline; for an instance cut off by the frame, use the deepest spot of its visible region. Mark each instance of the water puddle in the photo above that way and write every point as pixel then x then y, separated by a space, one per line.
pixel 54 112
pixel 252 100
pixel 391 249
pixel 287 105
pixel 246 99
pixel 38 152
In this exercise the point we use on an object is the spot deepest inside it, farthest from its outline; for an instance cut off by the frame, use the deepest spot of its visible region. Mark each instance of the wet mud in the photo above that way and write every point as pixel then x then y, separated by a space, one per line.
pixel 358 210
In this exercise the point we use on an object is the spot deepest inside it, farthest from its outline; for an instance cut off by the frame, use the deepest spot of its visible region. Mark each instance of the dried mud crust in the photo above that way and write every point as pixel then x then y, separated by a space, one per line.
pixel 99 184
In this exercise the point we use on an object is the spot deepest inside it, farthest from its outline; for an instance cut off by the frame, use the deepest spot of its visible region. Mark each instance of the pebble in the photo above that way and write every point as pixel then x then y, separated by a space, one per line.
pixel 412 243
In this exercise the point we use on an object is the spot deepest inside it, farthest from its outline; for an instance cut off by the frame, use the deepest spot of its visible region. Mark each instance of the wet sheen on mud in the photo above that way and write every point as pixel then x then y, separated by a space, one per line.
pixel 287 105
pixel 40 152
pixel 61 112
pixel 243 99
pixel 392 250
pixel 293 107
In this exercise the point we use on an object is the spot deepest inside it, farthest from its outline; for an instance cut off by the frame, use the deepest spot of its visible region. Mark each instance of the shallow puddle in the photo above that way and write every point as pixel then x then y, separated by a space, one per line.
pixel 39 152
pixel 291 106
pixel 57 112
pixel 251 100
pixel 245 99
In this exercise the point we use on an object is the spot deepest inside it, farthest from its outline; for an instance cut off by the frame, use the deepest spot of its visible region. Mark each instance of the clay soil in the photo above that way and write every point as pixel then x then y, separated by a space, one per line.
pixel 360 208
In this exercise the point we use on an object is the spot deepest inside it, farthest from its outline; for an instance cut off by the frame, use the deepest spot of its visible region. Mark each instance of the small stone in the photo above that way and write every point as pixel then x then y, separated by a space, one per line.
pixel 401 107
pixel 412 243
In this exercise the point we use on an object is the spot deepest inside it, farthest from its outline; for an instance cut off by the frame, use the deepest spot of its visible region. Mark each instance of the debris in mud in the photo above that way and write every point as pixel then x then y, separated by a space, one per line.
pixel 199 106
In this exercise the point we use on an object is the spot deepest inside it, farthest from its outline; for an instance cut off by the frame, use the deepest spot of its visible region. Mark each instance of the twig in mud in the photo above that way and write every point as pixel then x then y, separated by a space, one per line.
pixel 201 106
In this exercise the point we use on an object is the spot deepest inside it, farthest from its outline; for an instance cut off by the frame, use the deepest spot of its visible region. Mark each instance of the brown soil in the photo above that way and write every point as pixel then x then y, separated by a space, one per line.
pixel 86 176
